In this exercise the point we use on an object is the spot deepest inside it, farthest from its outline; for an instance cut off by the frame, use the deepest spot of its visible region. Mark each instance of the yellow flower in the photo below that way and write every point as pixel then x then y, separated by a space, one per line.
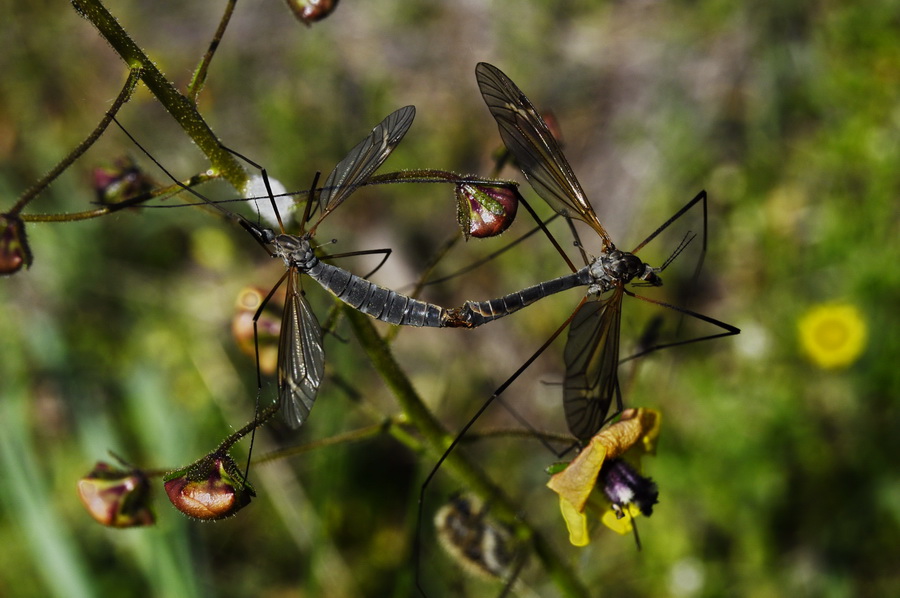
pixel 626 492
pixel 833 335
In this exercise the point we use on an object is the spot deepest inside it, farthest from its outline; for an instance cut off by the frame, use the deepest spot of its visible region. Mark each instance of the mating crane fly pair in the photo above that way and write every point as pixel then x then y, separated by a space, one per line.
pixel 591 354
pixel 301 356
pixel 592 349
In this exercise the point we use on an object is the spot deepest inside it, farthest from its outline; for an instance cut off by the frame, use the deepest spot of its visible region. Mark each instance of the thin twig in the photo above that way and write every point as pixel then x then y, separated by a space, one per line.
pixel 82 147
pixel 179 106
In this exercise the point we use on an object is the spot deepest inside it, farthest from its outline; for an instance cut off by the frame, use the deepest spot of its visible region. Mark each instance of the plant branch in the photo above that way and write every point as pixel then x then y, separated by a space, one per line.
pixel 82 147
pixel 466 472
pixel 179 106
pixel 199 77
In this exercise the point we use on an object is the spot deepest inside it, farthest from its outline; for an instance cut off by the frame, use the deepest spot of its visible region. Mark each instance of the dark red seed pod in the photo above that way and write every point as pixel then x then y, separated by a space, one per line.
pixel 212 488
pixel 115 497
pixel 485 210
pixel 311 11
pixel 14 250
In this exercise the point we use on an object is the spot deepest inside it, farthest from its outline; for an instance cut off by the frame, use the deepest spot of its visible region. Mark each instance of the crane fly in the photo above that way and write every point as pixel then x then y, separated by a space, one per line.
pixel 301 356
pixel 591 354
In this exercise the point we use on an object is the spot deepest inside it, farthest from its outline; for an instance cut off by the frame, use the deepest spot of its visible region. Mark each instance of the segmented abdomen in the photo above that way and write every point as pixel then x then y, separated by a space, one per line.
pixel 380 303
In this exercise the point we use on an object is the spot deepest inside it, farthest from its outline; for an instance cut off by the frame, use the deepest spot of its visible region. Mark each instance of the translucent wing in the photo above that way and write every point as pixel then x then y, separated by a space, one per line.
pixel 301 358
pixel 528 138
pixel 592 361
pixel 365 158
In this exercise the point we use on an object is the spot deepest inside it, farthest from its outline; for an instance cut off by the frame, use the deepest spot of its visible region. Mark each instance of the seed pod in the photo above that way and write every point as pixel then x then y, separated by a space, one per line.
pixel 310 11
pixel 476 541
pixel 123 180
pixel 212 488
pixel 485 210
pixel 115 497
pixel 14 250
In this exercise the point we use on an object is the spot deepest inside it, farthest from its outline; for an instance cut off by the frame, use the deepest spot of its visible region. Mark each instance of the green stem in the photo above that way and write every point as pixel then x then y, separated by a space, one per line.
pixel 179 106
pixel 352 436
pixel 131 202
pixel 82 147
pixel 457 463
pixel 433 175
pixel 199 77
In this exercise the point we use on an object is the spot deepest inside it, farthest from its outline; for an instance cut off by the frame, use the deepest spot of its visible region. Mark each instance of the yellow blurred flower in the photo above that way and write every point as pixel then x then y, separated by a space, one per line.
pixel 833 335
pixel 623 492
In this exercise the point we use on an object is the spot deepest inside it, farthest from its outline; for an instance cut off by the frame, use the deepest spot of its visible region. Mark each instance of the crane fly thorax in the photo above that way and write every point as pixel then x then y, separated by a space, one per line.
pixel 616 268
pixel 295 251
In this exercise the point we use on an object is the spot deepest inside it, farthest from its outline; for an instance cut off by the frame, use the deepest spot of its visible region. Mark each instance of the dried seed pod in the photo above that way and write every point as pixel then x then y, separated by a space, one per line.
pixel 474 540
pixel 116 497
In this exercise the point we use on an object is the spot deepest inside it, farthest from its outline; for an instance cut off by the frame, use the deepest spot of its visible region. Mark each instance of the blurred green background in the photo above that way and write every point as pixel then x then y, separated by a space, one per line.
pixel 776 477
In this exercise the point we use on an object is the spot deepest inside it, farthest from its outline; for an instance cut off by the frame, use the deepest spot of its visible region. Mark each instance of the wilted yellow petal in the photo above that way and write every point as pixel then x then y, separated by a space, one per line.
pixel 576 482
pixel 635 425
pixel 576 522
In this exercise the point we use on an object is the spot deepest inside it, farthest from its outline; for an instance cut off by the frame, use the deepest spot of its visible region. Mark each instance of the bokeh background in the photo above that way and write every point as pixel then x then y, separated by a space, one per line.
pixel 777 476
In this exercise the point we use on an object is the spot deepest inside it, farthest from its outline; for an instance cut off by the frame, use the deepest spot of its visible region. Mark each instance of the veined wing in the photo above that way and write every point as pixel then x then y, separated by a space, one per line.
pixel 592 361
pixel 301 357
pixel 365 158
pixel 528 138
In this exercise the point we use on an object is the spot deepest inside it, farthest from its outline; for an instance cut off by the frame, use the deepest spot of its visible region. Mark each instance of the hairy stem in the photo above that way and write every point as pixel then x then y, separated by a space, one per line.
pixel 462 468
pixel 179 106
pixel 82 147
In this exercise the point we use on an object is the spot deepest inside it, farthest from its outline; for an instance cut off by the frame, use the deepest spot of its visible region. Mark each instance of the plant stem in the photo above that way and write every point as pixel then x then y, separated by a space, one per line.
pixel 199 77
pixel 179 106
pixel 458 464
pixel 82 147
pixel 132 202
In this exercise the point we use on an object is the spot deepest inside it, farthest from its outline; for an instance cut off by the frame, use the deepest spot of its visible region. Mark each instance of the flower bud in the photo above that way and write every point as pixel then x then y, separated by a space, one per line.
pixel 14 250
pixel 123 180
pixel 485 210
pixel 115 497
pixel 210 489
pixel 310 11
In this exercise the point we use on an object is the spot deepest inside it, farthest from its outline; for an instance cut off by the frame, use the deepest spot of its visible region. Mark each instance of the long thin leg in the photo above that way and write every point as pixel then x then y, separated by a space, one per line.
pixel 728 328
pixel 459 436
pixel 256 316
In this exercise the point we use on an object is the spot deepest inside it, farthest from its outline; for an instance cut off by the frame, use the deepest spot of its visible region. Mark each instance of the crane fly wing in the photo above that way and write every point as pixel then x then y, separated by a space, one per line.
pixel 592 361
pixel 364 159
pixel 301 357
pixel 528 138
